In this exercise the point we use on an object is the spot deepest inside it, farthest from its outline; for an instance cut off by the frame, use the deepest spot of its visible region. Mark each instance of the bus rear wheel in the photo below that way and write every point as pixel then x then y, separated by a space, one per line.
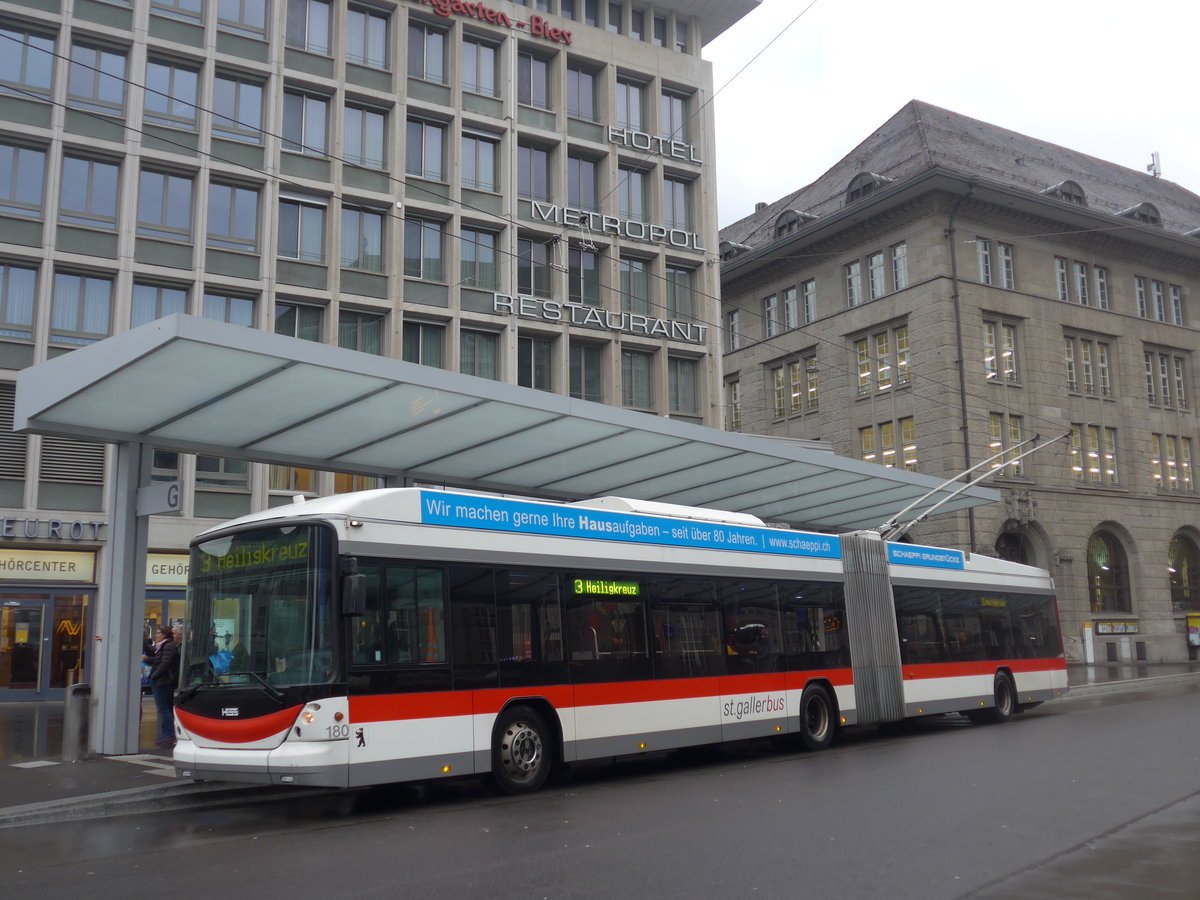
pixel 817 721
pixel 1004 703
pixel 522 751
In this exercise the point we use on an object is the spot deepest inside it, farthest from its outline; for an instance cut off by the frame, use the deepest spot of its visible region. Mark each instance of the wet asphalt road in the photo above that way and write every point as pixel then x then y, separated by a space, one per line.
pixel 1091 798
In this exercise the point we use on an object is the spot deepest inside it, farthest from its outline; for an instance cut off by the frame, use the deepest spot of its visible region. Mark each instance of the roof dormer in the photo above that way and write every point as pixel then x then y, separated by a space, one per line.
pixel 1069 191
pixel 1146 213
pixel 864 183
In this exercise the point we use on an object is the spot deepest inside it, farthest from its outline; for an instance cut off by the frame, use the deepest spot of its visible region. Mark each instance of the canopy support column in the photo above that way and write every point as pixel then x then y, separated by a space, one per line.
pixel 116 667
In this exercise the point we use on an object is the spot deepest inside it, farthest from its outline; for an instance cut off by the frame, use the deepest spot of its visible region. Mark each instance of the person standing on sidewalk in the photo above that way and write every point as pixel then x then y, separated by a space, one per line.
pixel 164 678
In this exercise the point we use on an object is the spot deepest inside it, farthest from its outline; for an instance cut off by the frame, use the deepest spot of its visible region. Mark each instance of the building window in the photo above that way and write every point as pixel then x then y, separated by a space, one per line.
pixel 1108 575
pixel 188 10
pixel 367 37
pixel 1139 293
pixel 1160 303
pixel 479 67
pixel 479 354
pixel 808 291
pixel 289 479
pixel 151 301
pixel 424 251
pixel 1171 462
pixel 308 25
pixel 170 94
pixel 796 386
pixel 478 163
pixel 637 379
pixel 770 315
pixel 233 217
pixel 900 266
pixel 477 257
pixel 1100 274
pixel 1183 569
pixel 1004 435
pixel 883 360
pixel 637 27
pixel 426 53
pixel 876 277
pixel 878 444
pixel 364 141
pixel 660 31
pixel 631 104
pixel 614 18
pixel 1062 280
pixel 424 156
pixel 1094 454
pixel 305 123
pixel 852 275
pixel 983 259
pixel 582 192
pixel 22 180
pixel 97 79
pixel 533 81
pixel 534 267
pixel 1081 283
pixel 534 362
pixel 1000 352
pixel 1166 379
pixel 733 405
pixel 81 309
pixel 89 193
pixel 682 387
pixel 361 331
pixel 223 472
pixel 248 17
pixel 237 109
pixel 681 301
pixel 581 93
pixel 301 230
pixel 18 296
pixel 681 36
pixel 676 203
pixel 1008 274
pixel 229 309
pixel 164 206
pixel 1088 362
pixel 674 115
pixel 733 329
pixel 423 343
pixel 791 311
pixel 362 239
pixel 584 276
pixel 28 62
pixel 1176 305
pixel 299 321
pixel 635 285
pixel 631 202
pixel 587 371
pixel 533 173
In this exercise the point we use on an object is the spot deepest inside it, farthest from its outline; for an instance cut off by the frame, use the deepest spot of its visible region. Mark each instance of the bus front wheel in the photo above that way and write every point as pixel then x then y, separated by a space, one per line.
pixel 522 751
pixel 817 720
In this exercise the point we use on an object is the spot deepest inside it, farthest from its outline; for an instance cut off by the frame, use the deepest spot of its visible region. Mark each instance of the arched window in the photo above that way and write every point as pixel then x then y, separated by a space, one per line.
pixel 863 184
pixel 1183 569
pixel 1013 547
pixel 1108 574
pixel 791 220
pixel 1067 190
pixel 1143 212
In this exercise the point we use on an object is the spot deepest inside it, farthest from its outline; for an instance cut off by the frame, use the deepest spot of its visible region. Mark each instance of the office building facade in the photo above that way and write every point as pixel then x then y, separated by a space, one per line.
pixel 518 191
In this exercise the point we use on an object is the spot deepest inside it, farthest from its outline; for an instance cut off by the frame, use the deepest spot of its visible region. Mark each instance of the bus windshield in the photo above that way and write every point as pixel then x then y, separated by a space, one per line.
pixel 259 609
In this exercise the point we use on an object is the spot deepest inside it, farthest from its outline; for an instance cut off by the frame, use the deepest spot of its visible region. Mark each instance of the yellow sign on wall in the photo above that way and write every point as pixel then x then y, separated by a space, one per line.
pixel 47 565
pixel 167 569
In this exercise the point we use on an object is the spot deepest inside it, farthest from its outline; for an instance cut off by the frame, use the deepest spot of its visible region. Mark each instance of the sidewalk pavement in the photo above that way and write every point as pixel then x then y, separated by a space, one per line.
pixel 36 786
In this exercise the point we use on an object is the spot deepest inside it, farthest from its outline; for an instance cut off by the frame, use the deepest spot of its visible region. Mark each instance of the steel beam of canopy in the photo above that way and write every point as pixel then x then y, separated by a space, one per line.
pixel 206 387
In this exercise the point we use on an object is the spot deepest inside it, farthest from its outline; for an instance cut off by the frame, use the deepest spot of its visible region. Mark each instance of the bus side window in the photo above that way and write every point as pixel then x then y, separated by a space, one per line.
pixel 753 636
pixel 367 637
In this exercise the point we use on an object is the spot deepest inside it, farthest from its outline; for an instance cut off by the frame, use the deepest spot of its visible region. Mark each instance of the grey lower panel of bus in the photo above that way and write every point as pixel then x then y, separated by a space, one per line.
pixel 962 704
pixel 871 618
pixel 627 744
pixel 321 776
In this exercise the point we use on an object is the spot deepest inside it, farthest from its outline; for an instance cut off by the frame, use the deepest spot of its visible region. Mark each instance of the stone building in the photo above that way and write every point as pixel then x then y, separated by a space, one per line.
pixel 951 289
pixel 521 191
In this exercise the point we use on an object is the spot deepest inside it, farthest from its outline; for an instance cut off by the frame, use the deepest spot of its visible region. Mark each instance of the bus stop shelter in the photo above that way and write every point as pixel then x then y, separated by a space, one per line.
pixel 210 388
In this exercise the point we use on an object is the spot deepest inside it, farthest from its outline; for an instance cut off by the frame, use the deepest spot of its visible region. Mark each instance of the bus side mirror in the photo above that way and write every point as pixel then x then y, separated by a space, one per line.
pixel 354 594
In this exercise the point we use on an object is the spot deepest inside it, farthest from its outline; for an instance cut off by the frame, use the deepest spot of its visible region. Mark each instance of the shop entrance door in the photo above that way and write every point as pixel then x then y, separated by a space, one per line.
pixel 42 649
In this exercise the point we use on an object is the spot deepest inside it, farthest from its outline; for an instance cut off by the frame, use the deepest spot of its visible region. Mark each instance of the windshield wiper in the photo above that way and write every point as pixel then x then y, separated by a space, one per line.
pixel 267 686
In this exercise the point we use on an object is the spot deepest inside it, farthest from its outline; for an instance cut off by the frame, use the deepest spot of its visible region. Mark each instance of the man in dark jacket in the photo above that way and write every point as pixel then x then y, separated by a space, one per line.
pixel 164 679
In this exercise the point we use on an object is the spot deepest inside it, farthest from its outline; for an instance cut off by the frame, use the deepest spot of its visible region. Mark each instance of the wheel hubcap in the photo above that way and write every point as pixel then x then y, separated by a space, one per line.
pixel 521 750
pixel 817 718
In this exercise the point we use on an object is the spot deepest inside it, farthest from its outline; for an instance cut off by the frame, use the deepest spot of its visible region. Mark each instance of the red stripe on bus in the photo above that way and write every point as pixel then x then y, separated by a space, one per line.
pixel 981 667
pixel 389 707
pixel 238 731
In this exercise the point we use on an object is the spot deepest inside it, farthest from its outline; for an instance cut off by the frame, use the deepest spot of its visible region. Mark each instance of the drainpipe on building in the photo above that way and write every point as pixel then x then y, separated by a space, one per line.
pixel 962 371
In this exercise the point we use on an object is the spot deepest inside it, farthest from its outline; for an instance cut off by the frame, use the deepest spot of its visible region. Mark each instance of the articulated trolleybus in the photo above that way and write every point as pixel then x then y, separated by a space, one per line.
pixel 407 634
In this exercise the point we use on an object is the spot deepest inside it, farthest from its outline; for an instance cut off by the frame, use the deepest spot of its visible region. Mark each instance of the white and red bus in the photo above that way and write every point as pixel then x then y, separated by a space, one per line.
pixel 406 634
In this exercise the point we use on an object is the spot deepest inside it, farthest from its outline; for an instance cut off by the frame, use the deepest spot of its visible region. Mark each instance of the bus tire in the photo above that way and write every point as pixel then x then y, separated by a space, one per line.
pixel 1004 703
pixel 522 751
pixel 817 720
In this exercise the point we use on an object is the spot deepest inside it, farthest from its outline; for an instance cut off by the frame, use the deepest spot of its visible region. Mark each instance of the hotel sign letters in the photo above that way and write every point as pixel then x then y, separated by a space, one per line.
pixel 571 217
pixel 537 26
pixel 575 314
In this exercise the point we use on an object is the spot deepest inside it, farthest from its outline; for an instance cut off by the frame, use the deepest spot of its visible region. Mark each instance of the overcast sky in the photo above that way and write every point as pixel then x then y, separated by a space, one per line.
pixel 1112 79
